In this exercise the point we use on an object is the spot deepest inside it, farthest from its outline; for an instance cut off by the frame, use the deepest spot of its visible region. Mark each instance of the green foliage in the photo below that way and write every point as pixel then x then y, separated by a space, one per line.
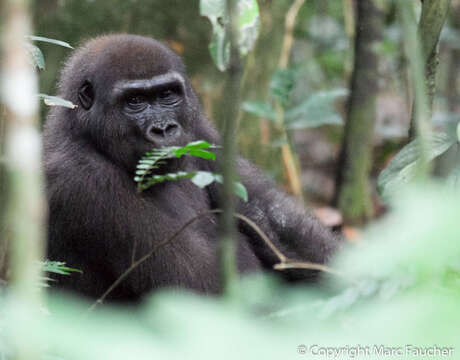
pixel 248 25
pixel 282 84
pixel 153 160
pixel 316 110
pixel 405 270
pixel 145 176
pixel 402 169
pixel 56 267
pixel 39 61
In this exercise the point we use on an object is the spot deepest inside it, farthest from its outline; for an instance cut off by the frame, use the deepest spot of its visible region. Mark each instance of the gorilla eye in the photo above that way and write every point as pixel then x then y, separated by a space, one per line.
pixel 168 96
pixel 165 94
pixel 136 102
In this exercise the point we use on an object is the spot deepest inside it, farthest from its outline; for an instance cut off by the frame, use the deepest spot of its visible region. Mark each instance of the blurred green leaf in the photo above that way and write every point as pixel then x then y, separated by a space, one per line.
pixel 316 110
pixel 241 191
pixel 261 109
pixel 282 84
pixel 56 101
pixel 203 179
pixel 248 24
pixel 37 56
pixel 402 168
pixel 48 40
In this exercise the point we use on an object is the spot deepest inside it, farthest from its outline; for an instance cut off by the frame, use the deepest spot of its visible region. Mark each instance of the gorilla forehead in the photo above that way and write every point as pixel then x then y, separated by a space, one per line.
pixel 108 58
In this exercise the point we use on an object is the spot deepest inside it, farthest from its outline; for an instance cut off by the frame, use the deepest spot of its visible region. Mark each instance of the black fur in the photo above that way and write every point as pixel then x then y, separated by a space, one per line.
pixel 96 217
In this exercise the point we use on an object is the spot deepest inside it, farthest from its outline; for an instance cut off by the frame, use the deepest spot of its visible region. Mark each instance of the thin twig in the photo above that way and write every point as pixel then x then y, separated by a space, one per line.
pixel 288 264
pixel 289 163
pixel 282 258
pixel 288 40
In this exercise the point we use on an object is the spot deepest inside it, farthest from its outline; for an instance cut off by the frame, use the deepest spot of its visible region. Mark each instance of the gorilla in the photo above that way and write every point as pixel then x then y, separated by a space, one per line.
pixel 132 95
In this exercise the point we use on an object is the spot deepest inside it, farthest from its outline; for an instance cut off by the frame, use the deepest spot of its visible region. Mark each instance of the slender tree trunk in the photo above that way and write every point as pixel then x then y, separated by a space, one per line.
pixel 352 185
pixel 3 199
pixel 433 17
pixel 25 208
pixel 445 163
pixel 227 247
pixel 453 101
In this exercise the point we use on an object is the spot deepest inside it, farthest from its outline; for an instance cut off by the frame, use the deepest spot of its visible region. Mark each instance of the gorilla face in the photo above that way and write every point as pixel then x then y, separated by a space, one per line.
pixel 129 110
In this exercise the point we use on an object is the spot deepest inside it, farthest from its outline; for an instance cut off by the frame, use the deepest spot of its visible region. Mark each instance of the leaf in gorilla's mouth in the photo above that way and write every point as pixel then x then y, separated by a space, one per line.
pixel 146 174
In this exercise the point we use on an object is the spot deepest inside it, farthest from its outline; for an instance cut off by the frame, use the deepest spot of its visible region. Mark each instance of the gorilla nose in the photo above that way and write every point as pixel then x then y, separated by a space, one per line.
pixel 162 132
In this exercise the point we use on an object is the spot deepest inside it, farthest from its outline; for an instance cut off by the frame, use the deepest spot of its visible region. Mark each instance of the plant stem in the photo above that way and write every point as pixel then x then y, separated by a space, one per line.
pixel 227 244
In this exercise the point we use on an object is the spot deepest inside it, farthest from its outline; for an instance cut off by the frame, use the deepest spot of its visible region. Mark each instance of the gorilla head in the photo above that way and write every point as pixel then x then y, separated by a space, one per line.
pixel 133 95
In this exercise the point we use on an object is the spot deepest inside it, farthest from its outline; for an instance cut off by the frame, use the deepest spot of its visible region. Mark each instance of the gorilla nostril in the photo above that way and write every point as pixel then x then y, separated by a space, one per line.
pixel 156 131
pixel 171 129
pixel 162 131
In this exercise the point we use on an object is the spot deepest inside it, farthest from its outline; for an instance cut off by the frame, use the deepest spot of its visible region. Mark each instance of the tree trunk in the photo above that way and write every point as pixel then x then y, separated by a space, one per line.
pixel 353 195
pixel 3 199
pixel 227 228
pixel 433 17
pixel 453 100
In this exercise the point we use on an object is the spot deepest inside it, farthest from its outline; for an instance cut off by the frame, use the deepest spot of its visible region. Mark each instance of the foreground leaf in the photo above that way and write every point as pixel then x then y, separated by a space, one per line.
pixel 48 40
pixel 403 167
pixel 56 101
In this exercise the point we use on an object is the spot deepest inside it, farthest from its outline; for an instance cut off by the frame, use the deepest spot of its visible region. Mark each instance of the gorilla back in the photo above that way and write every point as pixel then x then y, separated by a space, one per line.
pixel 133 95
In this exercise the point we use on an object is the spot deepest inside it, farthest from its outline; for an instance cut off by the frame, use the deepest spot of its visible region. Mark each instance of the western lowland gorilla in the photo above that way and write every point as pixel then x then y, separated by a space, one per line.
pixel 132 95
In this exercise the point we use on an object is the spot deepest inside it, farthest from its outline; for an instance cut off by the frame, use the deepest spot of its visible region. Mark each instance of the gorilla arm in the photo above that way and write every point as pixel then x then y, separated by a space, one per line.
pixel 296 233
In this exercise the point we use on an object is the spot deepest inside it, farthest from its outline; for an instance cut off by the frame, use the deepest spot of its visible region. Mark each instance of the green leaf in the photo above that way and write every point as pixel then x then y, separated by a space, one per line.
pixel 248 24
pixel 214 10
pixel 56 101
pixel 282 84
pixel 402 168
pixel 238 188
pixel 37 56
pixel 58 267
pixel 241 191
pixel 261 109
pixel 203 178
pixel 193 146
pixel 203 154
pixel 316 110
pixel 48 40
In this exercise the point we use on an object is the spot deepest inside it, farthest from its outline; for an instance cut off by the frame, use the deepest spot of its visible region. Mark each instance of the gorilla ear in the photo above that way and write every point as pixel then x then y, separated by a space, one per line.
pixel 86 95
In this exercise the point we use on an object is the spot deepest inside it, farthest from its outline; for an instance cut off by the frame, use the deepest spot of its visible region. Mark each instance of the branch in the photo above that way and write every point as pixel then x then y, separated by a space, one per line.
pixel 290 167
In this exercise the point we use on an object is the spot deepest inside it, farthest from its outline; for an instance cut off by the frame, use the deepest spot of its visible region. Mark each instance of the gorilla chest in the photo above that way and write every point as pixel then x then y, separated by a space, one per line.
pixel 181 236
